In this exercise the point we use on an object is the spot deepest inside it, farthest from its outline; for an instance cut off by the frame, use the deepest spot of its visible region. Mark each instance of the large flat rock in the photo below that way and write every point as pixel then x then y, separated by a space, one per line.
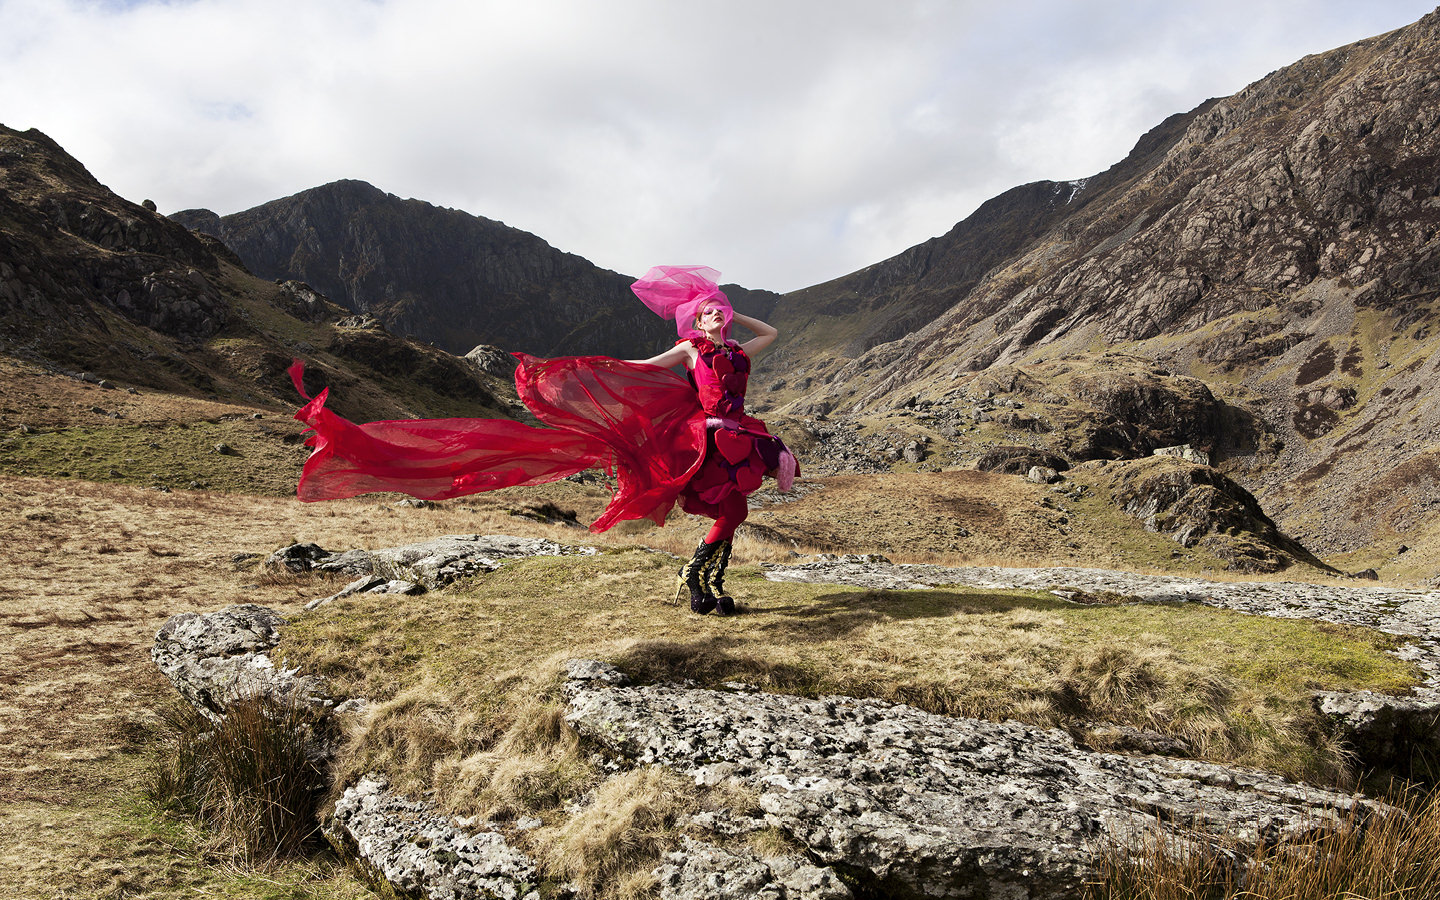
pixel 918 804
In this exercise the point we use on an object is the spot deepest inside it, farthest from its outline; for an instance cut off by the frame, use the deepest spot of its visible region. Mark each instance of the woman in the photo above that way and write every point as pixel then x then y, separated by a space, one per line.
pixel 662 437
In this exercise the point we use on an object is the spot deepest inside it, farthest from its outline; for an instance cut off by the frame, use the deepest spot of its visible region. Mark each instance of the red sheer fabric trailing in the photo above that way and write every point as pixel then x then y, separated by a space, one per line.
pixel 647 418
pixel 643 424
pixel 662 438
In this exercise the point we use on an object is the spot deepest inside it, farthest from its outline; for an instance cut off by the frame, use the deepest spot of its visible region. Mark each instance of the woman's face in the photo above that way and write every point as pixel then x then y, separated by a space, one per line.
pixel 711 319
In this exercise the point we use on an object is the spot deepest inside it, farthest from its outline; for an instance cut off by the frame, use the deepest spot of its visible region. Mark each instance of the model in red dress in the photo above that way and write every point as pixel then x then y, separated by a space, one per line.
pixel 662 437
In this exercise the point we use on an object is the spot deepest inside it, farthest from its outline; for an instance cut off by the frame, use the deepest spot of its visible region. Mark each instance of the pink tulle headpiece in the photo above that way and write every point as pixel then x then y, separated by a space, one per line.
pixel 679 292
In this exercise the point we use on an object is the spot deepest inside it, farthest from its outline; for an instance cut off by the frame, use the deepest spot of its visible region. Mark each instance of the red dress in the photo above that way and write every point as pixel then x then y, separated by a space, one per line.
pixel 644 425
pixel 739 451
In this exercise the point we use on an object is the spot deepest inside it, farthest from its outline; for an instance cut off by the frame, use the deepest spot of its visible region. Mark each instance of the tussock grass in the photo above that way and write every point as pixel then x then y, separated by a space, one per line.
pixel 534 765
pixel 612 844
pixel 1363 858
pixel 252 778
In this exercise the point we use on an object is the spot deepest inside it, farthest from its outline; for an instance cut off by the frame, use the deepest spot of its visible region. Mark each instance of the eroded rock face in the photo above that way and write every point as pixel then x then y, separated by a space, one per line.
pixel 70 243
pixel 917 804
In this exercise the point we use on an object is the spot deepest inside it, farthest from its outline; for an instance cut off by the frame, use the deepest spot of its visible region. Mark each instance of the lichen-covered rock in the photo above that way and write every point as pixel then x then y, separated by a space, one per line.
pixel 416 850
pixel 216 658
pixel 925 805
pixel 701 871
pixel 1382 730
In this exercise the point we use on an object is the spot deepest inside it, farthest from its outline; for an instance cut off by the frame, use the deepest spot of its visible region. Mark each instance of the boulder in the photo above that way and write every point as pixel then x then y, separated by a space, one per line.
pixel 1185 452
pixel 216 658
pixel 492 361
pixel 1042 475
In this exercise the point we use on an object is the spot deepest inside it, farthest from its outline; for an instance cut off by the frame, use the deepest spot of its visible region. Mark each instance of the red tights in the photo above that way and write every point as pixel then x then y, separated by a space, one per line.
pixel 733 511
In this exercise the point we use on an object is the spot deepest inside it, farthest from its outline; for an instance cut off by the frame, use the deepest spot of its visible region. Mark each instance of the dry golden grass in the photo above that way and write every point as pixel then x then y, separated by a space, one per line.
pixel 92 571
pixel 616 840
pixel 1393 857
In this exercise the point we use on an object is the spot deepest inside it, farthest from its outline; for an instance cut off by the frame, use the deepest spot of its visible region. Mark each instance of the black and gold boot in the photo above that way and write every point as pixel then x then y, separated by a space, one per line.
pixel 715 581
pixel 692 577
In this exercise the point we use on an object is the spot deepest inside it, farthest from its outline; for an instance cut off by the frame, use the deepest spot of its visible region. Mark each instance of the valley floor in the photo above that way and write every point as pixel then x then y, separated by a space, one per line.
pixel 92 571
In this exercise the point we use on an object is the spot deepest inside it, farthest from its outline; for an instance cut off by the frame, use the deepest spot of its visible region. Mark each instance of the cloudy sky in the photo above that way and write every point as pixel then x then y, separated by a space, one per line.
pixel 784 142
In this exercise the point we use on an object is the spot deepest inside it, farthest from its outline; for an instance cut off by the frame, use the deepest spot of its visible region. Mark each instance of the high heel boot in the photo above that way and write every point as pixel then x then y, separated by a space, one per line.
pixel 715 581
pixel 692 577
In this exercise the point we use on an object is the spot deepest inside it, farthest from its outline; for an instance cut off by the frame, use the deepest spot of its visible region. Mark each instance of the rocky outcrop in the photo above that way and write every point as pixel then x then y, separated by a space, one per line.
pixel 913 804
pixel 1197 505
pixel 493 361
pixel 214 659
pixel 1012 460
pixel 433 563
pixel 885 799
pixel 67 242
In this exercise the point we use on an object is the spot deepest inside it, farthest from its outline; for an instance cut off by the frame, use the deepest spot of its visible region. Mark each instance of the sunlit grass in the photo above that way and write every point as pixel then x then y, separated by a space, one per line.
pixel 1363 858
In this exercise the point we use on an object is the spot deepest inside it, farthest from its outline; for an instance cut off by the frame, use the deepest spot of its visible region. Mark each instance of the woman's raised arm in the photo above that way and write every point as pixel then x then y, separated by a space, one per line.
pixel 764 334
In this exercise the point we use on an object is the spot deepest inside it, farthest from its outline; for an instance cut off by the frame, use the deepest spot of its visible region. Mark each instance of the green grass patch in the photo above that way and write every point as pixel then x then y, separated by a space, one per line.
pixel 264 455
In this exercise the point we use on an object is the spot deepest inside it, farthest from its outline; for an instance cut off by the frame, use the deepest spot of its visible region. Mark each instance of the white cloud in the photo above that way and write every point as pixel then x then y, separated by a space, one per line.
pixel 785 143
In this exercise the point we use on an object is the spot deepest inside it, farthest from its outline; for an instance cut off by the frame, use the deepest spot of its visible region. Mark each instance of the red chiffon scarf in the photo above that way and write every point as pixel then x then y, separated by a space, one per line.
pixel 641 424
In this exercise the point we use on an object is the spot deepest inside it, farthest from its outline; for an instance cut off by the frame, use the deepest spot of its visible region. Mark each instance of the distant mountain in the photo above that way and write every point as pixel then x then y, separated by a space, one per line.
pixel 1282 245
pixel 444 276
pixel 93 283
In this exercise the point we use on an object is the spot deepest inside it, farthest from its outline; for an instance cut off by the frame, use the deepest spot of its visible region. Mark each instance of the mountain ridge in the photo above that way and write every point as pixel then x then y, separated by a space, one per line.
pixel 445 276
pixel 1281 247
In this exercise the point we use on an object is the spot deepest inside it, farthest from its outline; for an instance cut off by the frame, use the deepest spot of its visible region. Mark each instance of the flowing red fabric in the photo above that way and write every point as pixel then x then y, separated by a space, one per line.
pixel 643 424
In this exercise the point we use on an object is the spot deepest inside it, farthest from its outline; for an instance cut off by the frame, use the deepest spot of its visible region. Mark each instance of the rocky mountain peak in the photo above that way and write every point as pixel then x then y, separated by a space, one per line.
pixel 441 275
